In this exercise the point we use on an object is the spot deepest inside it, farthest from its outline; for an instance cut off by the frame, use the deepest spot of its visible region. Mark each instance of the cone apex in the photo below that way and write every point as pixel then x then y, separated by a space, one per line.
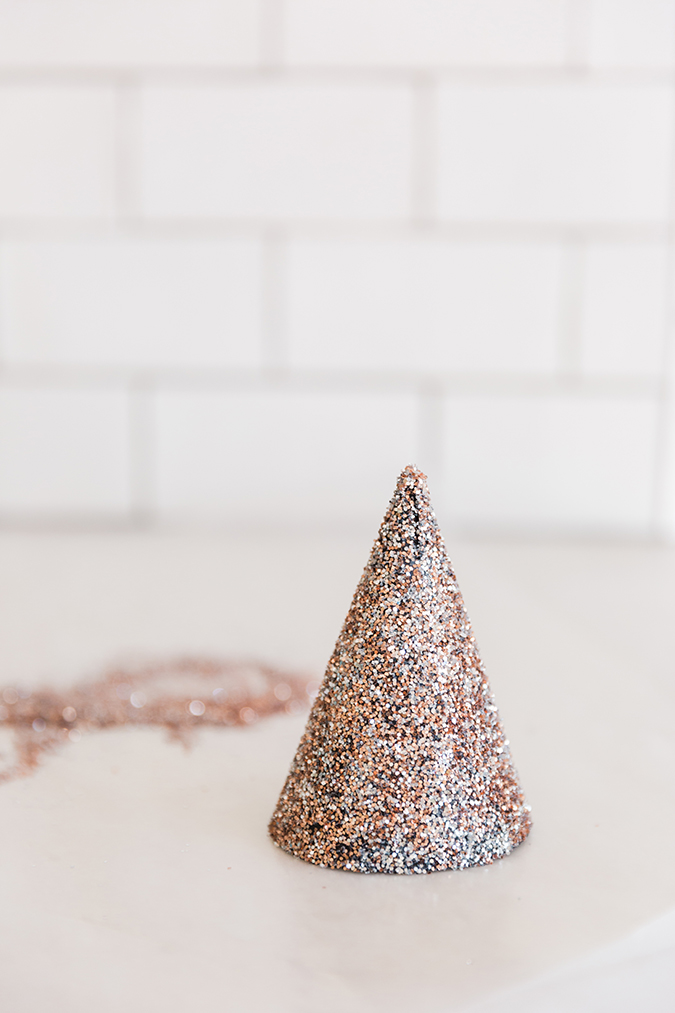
pixel 403 766
pixel 412 478
pixel 411 471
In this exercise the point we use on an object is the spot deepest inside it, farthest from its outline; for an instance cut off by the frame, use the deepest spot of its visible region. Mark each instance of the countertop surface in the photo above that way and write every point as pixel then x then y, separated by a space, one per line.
pixel 136 874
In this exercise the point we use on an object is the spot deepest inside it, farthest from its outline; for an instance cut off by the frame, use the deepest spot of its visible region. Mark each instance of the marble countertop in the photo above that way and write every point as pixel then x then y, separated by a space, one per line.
pixel 137 875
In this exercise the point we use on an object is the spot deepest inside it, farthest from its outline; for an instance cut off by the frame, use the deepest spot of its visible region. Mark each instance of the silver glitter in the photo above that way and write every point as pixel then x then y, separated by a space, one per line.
pixel 403 766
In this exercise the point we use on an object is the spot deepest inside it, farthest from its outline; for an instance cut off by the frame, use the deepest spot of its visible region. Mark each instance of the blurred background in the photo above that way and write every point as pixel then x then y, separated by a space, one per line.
pixel 255 257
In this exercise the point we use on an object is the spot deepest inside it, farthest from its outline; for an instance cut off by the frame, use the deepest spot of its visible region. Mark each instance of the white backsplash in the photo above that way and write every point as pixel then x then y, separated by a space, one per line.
pixel 255 257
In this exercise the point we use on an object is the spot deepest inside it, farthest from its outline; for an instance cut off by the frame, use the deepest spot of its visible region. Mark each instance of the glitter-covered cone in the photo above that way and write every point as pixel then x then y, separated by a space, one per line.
pixel 403 766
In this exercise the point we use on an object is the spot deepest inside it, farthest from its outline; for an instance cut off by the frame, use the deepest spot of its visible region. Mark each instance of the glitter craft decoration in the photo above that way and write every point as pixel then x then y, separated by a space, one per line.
pixel 403 766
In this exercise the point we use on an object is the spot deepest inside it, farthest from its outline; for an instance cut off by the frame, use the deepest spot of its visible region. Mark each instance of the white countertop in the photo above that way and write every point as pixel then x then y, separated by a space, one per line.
pixel 135 875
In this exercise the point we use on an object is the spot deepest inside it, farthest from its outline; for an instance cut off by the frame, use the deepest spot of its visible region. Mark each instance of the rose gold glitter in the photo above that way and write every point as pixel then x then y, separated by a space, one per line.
pixel 403 766
pixel 180 696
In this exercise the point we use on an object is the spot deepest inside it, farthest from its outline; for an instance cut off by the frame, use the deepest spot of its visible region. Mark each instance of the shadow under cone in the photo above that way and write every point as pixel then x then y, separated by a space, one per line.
pixel 403 766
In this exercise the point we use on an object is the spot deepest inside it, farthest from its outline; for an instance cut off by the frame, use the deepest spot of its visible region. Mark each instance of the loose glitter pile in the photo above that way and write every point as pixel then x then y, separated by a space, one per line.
pixel 403 766
pixel 180 696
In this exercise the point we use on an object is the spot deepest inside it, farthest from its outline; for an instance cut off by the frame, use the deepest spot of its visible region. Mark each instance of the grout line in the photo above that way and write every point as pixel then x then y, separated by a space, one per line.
pixel 274 311
pixel 73 522
pixel 275 376
pixel 272 22
pixel 142 454
pixel 210 228
pixel 66 377
pixel 424 151
pixel 271 56
pixel 570 313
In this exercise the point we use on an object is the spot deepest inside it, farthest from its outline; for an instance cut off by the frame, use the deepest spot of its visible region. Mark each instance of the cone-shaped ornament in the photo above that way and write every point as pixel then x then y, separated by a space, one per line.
pixel 403 766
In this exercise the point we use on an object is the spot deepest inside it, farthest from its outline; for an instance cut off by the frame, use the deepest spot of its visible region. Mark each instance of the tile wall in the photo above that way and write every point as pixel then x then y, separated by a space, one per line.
pixel 257 256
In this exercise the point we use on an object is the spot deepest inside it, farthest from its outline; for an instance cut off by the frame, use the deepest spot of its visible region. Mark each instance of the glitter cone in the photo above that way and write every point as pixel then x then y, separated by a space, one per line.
pixel 403 766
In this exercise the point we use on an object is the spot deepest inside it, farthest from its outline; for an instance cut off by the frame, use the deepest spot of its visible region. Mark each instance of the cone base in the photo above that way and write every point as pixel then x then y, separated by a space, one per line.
pixel 391 861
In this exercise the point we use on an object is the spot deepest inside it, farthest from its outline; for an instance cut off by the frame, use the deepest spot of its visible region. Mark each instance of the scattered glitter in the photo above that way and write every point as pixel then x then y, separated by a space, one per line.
pixel 403 766
pixel 197 708
pixel 232 693
pixel 282 691
pixel 74 735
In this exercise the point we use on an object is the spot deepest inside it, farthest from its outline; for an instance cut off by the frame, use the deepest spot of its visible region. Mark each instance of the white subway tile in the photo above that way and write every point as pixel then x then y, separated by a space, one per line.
pixel 559 153
pixel 57 150
pixel 631 33
pixel 64 452
pixel 425 32
pixel 132 302
pixel 326 150
pixel 66 33
pixel 281 456
pixel 624 309
pixel 424 305
pixel 550 463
